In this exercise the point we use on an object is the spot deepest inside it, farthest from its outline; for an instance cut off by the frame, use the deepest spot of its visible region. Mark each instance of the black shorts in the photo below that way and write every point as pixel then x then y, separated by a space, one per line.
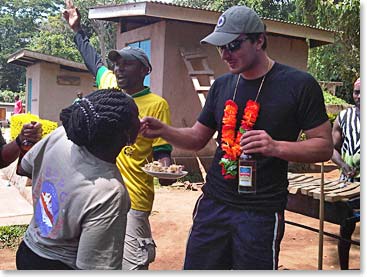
pixel 223 238
pixel 26 259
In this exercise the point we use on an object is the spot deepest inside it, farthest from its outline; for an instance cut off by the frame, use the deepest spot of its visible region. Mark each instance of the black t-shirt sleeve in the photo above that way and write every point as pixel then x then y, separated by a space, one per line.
pixel 311 111
pixel 207 115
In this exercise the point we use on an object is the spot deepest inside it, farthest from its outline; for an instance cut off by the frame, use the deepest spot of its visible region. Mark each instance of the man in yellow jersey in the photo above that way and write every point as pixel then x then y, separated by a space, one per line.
pixel 131 65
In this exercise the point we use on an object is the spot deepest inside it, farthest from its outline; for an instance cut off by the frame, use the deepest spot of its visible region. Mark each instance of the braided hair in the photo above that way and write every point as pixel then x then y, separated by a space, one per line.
pixel 97 119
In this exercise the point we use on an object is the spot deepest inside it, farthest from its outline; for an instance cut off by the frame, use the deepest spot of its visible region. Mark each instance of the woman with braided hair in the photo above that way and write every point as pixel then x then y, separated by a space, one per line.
pixel 79 199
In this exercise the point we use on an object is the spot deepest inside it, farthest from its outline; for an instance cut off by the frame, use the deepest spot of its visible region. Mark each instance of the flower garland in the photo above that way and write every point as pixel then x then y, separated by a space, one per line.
pixel 231 140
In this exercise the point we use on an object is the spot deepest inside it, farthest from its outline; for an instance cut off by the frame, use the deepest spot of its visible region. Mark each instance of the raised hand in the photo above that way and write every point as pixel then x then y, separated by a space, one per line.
pixel 72 16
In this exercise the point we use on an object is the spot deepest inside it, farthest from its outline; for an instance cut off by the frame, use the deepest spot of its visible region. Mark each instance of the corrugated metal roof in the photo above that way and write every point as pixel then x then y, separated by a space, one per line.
pixel 219 11
pixel 183 6
pixel 264 18
pixel 26 58
pixel 149 12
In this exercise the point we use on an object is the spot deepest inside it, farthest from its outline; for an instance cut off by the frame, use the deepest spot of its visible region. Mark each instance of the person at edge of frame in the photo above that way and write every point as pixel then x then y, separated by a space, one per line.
pixel 347 155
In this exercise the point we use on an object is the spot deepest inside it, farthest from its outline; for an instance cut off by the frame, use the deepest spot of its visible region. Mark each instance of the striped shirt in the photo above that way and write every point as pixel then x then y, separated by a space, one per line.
pixel 349 121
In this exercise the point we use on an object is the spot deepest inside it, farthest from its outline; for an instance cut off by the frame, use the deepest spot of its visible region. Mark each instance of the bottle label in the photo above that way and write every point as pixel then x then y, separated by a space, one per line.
pixel 245 176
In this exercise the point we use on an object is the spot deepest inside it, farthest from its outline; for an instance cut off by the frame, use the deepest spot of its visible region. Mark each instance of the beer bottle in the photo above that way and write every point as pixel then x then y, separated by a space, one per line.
pixel 246 174
pixel 25 146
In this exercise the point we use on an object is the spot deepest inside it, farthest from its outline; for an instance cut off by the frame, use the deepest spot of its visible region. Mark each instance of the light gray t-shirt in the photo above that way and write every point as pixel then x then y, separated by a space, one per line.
pixel 80 205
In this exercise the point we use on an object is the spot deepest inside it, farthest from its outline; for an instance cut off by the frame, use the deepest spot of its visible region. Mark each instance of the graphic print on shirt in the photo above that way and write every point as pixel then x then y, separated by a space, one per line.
pixel 47 208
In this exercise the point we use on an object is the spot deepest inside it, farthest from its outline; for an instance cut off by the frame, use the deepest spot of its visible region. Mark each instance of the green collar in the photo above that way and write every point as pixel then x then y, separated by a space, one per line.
pixel 141 93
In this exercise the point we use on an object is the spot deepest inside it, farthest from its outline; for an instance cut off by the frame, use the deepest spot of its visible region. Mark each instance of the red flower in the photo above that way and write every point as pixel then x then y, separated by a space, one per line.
pixel 230 140
pixel 250 115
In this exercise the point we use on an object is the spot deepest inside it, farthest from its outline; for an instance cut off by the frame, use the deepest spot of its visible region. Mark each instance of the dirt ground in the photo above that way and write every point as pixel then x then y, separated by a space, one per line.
pixel 171 220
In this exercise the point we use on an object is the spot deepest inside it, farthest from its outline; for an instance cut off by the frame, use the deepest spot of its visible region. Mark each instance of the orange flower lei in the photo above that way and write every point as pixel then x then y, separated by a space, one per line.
pixel 231 140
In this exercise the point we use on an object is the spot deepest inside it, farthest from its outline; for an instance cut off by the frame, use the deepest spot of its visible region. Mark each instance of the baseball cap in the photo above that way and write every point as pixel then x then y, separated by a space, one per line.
pixel 357 84
pixel 233 22
pixel 131 53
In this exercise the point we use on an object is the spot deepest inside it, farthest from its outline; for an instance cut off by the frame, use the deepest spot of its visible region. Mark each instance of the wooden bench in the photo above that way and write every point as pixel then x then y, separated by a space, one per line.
pixel 341 206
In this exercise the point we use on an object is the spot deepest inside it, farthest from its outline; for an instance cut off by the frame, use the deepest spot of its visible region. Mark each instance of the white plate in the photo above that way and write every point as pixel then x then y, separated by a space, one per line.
pixel 165 175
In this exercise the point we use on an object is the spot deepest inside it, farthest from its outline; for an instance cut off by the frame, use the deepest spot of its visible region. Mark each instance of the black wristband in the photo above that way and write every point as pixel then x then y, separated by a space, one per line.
pixel 18 142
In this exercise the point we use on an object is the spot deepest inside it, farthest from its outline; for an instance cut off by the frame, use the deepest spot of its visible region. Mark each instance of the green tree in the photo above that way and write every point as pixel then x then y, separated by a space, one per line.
pixel 339 61
pixel 103 33
pixel 282 9
pixel 38 25
pixel 19 21
pixel 55 38
pixel 8 96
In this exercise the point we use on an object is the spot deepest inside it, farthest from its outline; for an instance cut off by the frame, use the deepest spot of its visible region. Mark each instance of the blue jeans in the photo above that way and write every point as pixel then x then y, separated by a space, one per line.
pixel 224 237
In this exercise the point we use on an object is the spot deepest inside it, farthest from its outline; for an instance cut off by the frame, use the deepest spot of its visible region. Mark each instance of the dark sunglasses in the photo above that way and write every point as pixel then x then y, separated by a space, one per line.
pixel 233 45
pixel 356 91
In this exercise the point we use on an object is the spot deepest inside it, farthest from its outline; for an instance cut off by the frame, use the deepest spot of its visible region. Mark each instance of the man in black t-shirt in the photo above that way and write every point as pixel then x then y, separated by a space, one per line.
pixel 232 229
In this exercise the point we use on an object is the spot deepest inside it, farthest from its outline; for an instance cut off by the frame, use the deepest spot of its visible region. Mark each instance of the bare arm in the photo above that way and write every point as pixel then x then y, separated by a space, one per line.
pixel 318 146
pixel 92 59
pixel 336 158
pixel 193 138
pixel 10 152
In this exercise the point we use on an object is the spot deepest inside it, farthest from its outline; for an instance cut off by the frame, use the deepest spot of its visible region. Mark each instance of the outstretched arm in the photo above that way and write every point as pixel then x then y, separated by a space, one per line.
pixel 89 54
pixel 194 138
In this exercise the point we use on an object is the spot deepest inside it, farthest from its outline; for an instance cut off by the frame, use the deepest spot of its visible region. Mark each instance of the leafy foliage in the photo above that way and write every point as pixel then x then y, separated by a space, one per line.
pixel 339 61
pixel 38 25
pixel 102 34
pixel 11 236
pixel 281 9
pixel 103 31
pixel 19 21
pixel 8 96
pixel 332 99
pixel 55 38
pixel 332 117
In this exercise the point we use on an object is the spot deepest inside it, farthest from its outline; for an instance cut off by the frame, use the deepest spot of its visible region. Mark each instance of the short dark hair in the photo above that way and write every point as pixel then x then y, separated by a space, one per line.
pixel 99 118
pixel 255 36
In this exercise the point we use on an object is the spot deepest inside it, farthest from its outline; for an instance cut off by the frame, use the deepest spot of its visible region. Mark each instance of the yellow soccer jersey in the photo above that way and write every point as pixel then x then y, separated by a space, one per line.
pixel 139 184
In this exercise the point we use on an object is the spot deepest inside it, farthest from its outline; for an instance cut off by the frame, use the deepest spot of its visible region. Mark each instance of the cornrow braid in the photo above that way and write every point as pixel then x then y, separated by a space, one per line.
pixel 98 117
